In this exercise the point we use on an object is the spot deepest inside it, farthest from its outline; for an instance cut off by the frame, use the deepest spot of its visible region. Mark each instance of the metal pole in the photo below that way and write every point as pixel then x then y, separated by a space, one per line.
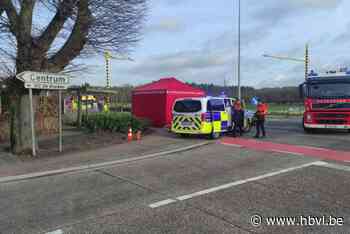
pixel 60 120
pixel 239 50
pixel 108 73
pixel 79 114
pixel 32 121
pixel 306 61
pixel 108 69
pixel 284 58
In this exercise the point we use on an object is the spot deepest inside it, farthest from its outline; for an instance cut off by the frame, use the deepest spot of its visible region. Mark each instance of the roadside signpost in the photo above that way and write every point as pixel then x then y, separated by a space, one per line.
pixel 47 81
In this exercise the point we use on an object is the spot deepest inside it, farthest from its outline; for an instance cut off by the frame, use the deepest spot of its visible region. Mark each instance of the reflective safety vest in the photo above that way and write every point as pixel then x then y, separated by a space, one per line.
pixel 262 108
pixel 105 108
pixel 74 105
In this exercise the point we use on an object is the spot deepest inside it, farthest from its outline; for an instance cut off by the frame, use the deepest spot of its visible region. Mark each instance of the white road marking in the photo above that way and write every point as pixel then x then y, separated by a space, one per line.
pixel 229 185
pixel 336 166
pixel 233 145
pixel 96 166
pixel 59 231
pixel 273 150
pixel 287 152
pixel 162 203
pixel 312 147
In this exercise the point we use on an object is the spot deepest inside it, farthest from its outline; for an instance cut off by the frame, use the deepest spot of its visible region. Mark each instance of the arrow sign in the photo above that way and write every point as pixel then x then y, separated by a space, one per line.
pixel 41 80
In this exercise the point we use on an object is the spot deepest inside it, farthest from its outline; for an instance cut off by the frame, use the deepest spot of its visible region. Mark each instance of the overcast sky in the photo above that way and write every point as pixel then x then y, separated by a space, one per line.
pixel 196 41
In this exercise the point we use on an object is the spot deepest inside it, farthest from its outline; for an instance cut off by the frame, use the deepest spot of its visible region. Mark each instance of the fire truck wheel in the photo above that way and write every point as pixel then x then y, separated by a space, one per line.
pixel 308 130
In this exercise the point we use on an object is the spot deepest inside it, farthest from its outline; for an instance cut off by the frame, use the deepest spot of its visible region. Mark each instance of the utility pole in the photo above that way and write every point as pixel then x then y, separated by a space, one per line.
pixel 305 60
pixel 108 57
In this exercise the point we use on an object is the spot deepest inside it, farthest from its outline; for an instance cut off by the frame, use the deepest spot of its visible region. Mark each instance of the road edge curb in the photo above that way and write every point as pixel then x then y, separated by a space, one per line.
pixel 90 167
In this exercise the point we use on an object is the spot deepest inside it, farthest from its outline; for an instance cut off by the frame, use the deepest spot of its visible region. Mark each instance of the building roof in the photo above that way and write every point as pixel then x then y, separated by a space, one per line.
pixel 170 84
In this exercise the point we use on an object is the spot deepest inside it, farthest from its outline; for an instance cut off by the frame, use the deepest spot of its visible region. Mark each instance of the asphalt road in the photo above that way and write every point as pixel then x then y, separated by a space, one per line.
pixel 290 131
pixel 213 189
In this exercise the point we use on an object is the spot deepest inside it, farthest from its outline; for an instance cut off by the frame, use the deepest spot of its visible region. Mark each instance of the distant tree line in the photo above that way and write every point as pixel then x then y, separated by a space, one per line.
pixel 275 95
pixel 272 95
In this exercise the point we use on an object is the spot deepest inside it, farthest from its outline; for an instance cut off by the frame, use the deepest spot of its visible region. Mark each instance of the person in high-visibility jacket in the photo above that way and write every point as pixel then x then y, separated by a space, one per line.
pixel 260 115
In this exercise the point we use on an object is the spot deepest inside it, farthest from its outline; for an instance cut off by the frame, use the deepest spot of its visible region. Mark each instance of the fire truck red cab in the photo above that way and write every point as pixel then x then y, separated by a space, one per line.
pixel 326 101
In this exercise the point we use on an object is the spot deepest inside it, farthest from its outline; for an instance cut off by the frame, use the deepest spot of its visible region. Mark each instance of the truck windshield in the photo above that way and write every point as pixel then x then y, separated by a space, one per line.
pixel 339 90
pixel 187 106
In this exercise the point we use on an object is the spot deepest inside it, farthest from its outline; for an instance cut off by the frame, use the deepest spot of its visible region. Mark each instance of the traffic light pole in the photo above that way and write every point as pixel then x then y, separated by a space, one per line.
pixel 306 59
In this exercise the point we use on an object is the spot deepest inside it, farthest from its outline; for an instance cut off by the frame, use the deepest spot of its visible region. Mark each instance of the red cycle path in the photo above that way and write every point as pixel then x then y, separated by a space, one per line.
pixel 316 152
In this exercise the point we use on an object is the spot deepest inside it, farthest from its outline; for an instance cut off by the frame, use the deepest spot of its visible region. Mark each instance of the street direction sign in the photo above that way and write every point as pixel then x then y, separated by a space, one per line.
pixel 48 81
pixel 41 80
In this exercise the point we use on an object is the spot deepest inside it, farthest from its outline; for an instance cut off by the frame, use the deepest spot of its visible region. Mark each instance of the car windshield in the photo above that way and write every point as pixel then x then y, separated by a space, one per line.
pixel 187 106
pixel 340 90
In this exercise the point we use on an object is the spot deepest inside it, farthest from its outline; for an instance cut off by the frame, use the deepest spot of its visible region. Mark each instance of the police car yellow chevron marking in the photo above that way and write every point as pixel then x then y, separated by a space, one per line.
pixel 187 123
pixel 191 124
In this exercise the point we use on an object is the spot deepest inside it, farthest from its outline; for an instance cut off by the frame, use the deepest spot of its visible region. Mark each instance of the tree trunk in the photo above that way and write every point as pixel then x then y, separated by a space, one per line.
pixel 21 135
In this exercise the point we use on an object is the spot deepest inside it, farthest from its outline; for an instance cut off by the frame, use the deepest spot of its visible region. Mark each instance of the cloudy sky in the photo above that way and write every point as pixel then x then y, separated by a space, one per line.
pixel 196 41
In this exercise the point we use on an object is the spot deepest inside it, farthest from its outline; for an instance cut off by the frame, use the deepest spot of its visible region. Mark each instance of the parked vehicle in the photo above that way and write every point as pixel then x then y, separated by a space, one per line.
pixel 326 101
pixel 249 121
pixel 204 116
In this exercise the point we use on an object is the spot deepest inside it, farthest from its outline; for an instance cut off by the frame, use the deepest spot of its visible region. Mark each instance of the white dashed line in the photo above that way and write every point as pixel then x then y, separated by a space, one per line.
pixel 287 152
pixel 233 145
pixel 312 147
pixel 229 185
pixel 336 166
pixel 162 203
pixel 59 231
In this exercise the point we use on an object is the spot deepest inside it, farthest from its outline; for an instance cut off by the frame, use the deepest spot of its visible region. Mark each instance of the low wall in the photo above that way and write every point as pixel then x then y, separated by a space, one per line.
pixel 46 119
pixel 4 128
pixel 43 126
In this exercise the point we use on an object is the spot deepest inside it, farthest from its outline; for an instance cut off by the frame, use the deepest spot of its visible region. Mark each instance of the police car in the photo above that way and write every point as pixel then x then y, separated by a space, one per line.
pixel 206 116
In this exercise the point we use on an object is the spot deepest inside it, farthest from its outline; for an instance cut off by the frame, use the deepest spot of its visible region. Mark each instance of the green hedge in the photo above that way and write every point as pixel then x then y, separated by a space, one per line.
pixel 114 122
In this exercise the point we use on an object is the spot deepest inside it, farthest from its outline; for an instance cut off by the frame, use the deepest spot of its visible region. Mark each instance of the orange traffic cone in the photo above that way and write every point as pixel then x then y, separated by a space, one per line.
pixel 138 135
pixel 130 134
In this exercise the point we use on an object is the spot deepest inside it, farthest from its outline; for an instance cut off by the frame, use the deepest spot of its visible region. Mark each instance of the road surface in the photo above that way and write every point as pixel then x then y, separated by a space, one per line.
pixel 218 188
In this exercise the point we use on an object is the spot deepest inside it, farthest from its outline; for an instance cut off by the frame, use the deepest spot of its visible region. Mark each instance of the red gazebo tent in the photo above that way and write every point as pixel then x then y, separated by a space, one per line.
pixel 155 101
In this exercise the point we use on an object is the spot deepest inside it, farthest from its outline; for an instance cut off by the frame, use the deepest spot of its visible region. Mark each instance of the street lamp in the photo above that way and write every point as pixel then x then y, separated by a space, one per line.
pixel 108 56
pixel 239 51
pixel 305 60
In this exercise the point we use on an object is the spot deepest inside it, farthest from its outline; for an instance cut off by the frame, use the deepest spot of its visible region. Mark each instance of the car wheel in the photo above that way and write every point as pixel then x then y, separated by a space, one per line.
pixel 215 135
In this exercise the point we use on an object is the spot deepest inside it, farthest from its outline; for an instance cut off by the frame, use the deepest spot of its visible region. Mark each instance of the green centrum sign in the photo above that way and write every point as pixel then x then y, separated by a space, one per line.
pixel 41 80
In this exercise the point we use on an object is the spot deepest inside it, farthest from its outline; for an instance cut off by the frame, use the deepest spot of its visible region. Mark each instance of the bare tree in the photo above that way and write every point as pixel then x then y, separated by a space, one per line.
pixel 47 35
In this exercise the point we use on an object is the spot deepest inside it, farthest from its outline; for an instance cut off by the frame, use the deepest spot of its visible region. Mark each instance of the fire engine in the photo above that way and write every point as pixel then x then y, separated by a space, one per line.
pixel 326 100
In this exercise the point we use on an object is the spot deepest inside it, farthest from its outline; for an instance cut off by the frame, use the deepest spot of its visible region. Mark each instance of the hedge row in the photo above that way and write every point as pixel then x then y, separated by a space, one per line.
pixel 114 122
